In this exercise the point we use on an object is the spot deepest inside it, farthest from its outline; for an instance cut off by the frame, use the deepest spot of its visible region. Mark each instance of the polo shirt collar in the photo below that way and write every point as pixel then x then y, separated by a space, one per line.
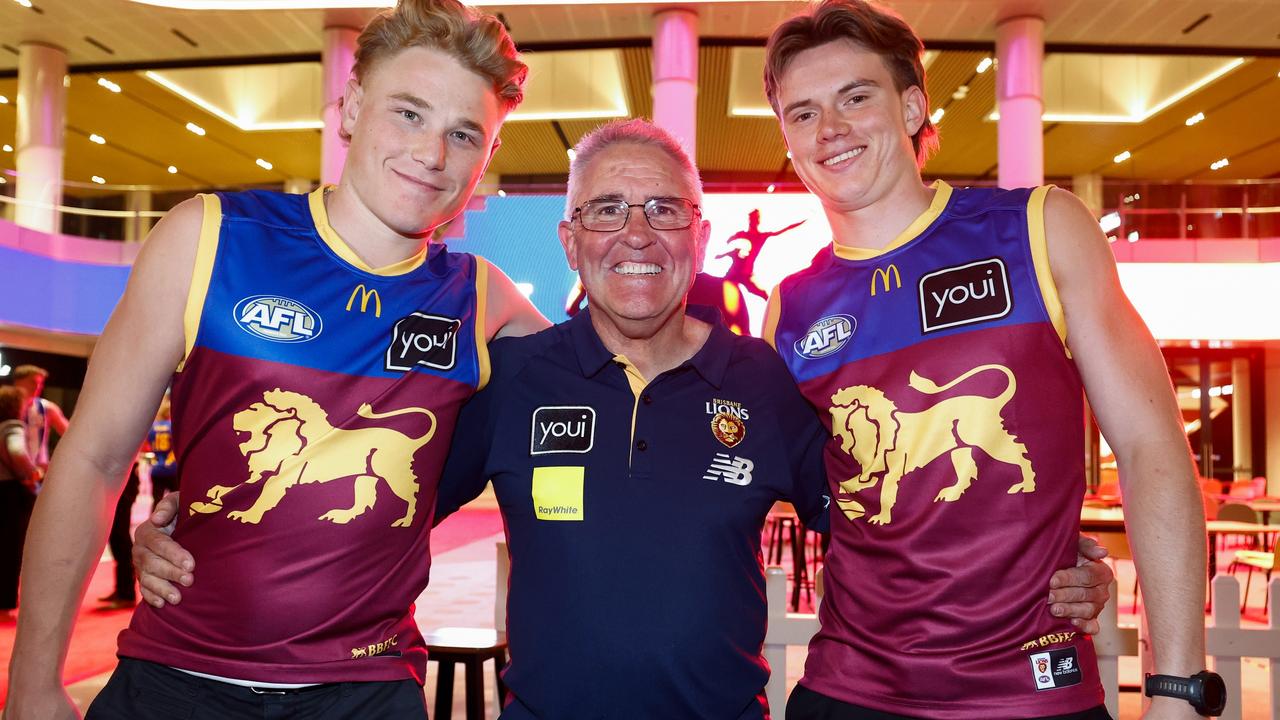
pixel 711 361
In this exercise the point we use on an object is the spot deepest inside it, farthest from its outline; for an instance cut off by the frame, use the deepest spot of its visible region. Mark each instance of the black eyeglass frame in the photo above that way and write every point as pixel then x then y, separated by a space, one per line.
pixel 697 212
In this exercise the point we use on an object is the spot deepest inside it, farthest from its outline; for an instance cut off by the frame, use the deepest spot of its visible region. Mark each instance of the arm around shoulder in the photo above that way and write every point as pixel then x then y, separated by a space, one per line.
pixel 507 312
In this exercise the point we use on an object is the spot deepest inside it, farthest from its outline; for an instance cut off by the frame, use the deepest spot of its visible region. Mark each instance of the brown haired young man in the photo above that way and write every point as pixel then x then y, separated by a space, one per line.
pixel 322 342
pixel 945 337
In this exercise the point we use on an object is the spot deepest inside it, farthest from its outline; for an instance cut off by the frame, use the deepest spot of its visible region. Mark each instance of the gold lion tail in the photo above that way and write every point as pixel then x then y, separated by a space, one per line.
pixel 925 385
pixel 366 411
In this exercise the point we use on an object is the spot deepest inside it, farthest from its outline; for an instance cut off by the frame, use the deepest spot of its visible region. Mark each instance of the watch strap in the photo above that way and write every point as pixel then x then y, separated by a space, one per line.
pixel 1170 686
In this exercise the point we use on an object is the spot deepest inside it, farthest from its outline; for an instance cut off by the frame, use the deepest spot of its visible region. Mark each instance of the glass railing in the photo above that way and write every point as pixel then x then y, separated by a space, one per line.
pixel 1192 210
pixel 1133 210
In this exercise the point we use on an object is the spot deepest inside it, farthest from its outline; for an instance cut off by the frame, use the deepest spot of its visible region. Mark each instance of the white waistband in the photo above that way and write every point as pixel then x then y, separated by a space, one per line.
pixel 248 683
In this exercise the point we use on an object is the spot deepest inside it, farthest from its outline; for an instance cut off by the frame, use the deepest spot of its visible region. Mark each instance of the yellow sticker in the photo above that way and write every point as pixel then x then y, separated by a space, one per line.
pixel 557 493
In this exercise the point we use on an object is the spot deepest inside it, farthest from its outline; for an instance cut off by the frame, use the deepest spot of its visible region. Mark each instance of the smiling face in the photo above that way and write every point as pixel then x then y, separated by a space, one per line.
pixel 848 128
pixel 423 129
pixel 636 277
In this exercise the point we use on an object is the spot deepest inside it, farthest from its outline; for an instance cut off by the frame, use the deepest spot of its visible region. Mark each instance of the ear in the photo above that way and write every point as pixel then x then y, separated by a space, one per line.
pixel 914 109
pixel 704 237
pixel 569 243
pixel 350 108
pixel 497 143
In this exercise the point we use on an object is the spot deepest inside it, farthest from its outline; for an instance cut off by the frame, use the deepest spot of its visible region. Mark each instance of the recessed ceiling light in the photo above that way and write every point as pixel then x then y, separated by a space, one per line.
pixel 8 147
pixel 96 138
pixel 173 170
pixel 572 154
pixel 103 82
pixel 195 129
pixel 502 193
pixel 4 100
pixel 770 189
pixel 1195 119
pixel 985 65
pixel 1122 157
pixel 98 179
pixel 264 164
pixel 1219 164
pixel 2 180
pixel 936 117
pixel 788 154
pixel 24 3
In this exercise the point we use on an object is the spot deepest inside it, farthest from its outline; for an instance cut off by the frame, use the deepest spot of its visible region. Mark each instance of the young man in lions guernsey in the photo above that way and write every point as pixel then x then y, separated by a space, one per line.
pixel 323 344
pixel 946 336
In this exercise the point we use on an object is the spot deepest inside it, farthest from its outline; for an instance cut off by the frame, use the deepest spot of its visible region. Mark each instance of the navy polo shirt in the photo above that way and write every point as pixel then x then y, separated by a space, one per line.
pixel 633 512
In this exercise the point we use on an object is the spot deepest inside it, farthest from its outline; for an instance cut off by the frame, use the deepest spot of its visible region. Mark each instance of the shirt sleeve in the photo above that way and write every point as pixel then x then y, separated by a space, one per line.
pixel 808 490
pixel 465 472
pixel 15 444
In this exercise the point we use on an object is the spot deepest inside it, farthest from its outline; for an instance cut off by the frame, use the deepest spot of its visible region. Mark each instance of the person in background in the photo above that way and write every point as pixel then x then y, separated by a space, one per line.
pixel 164 469
pixel 41 416
pixel 18 477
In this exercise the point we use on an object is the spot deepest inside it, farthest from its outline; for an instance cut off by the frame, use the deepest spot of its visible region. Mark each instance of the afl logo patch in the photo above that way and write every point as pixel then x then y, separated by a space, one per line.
pixel 277 319
pixel 826 336
pixel 728 429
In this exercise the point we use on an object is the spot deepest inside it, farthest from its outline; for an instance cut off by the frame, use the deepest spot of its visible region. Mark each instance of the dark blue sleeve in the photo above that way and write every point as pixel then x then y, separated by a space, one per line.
pixel 465 473
pixel 809 493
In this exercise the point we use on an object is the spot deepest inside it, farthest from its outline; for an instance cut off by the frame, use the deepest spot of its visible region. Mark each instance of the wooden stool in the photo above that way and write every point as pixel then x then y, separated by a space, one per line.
pixel 471 647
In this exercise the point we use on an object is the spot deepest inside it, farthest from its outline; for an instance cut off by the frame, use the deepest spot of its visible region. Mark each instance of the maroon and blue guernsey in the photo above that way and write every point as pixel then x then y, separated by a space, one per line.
pixel 955 463
pixel 312 415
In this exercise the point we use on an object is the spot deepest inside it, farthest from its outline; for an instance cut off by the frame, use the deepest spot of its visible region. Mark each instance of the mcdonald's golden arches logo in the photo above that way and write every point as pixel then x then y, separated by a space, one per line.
pixel 366 293
pixel 883 275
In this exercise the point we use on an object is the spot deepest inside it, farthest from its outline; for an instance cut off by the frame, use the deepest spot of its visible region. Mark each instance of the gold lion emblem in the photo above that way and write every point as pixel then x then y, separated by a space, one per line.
pixel 291 442
pixel 889 444
pixel 728 429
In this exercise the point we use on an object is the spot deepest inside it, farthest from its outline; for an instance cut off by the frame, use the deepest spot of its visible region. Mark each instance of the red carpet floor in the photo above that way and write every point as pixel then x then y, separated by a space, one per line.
pixel 93 644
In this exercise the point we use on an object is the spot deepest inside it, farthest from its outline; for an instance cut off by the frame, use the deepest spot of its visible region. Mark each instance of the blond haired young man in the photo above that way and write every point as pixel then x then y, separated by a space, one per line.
pixel 323 342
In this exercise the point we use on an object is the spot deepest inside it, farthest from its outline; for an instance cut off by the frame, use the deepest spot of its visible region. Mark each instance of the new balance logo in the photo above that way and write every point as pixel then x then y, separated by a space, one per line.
pixel 735 470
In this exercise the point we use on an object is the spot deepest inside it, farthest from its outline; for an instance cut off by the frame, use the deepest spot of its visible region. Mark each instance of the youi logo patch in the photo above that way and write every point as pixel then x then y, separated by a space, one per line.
pixel 964 294
pixel 826 336
pixel 562 429
pixel 426 340
pixel 278 319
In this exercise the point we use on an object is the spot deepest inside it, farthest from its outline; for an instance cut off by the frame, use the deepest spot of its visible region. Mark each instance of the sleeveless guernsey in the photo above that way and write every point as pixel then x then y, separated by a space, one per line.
pixel 955 463
pixel 311 419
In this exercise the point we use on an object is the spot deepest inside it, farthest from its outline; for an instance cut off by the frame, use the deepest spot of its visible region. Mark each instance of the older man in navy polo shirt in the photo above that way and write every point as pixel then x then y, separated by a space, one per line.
pixel 635 451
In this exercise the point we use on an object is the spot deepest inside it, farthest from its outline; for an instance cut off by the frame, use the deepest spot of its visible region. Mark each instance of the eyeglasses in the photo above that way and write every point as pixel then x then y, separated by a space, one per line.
pixel 612 215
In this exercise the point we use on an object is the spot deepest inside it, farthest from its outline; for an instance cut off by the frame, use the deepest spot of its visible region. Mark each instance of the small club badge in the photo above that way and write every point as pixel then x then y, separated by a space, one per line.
pixel 728 429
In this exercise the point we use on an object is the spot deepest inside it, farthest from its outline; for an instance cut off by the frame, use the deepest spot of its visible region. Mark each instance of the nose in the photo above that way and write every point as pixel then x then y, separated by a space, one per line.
pixel 832 126
pixel 430 150
pixel 637 233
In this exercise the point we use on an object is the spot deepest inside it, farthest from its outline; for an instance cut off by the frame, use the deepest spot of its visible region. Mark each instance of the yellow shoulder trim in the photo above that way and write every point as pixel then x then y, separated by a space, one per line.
pixel 772 311
pixel 1040 257
pixel 202 273
pixel 941 196
pixel 482 321
pixel 320 216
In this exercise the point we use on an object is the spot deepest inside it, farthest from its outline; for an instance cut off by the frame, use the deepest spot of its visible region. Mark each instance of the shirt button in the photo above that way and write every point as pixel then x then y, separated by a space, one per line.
pixel 642 445
pixel 648 399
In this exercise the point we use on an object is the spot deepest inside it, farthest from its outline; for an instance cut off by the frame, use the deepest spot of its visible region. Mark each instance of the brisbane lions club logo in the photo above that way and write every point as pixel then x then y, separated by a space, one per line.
pixel 291 442
pixel 890 444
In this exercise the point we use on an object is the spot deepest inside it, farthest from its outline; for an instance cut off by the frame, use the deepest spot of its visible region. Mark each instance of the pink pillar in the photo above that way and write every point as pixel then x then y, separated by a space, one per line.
pixel 337 61
pixel 42 117
pixel 1019 98
pixel 675 75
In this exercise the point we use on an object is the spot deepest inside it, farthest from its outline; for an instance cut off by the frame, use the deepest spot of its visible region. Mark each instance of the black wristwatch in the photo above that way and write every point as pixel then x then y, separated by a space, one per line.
pixel 1205 690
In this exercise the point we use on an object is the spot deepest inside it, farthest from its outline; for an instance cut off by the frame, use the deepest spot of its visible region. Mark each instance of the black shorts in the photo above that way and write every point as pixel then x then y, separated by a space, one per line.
pixel 805 704
pixel 140 690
